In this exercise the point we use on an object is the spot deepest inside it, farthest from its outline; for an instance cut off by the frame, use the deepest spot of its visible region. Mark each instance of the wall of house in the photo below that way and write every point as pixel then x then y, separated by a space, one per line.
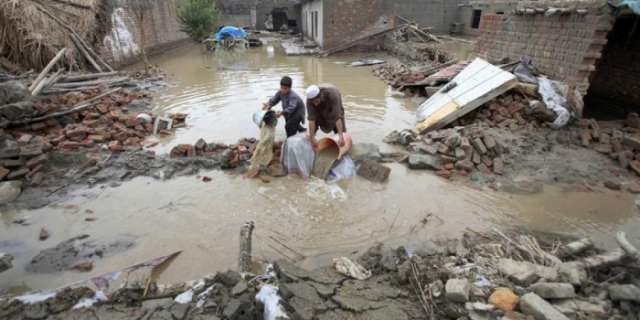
pixel 484 7
pixel 160 28
pixel 343 19
pixel 264 8
pixel 565 47
pixel 236 12
pixel 307 9
pixel 437 14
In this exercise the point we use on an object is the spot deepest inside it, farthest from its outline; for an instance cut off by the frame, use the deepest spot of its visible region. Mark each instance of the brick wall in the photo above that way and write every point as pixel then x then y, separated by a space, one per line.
pixel 344 19
pixel 122 43
pixel 617 75
pixel 565 47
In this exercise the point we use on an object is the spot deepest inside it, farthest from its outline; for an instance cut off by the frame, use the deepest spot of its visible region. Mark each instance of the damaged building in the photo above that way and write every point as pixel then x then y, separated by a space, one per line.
pixel 261 14
pixel 590 46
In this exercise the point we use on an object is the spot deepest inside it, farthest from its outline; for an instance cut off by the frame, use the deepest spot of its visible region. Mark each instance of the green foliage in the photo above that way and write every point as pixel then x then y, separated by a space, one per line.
pixel 197 18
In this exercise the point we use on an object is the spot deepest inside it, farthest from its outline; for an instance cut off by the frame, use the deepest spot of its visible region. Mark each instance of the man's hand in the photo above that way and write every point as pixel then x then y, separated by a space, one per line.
pixel 279 114
pixel 265 106
pixel 313 141
pixel 341 140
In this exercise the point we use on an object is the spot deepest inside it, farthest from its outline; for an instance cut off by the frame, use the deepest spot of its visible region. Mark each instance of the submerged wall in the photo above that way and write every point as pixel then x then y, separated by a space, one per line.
pixel 160 27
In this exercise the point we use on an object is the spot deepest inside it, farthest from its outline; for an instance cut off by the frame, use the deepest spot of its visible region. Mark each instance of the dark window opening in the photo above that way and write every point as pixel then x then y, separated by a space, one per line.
pixel 475 19
pixel 500 12
pixel 614 89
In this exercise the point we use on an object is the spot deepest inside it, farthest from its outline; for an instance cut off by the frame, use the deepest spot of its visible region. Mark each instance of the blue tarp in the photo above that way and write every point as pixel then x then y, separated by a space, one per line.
pixel 234 32
pixel 634 5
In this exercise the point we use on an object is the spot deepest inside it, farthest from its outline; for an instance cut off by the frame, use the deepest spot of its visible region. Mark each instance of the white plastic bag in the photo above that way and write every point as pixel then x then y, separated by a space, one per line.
pixel 554 97
pixel 298 155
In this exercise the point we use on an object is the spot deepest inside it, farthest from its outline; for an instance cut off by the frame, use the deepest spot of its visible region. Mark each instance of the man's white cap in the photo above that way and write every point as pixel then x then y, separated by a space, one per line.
pixel 313 91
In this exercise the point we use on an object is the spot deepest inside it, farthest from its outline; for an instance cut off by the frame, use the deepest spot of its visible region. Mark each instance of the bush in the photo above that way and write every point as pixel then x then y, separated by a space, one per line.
pixel 197 18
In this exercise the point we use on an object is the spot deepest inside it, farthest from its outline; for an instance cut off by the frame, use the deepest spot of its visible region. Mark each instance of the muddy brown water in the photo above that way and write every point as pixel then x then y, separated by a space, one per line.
pixel 310 221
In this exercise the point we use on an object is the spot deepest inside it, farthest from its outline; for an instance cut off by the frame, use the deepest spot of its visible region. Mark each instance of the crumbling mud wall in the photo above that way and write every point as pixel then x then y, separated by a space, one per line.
pixel 160 28
pixel 562 46
pixel 343 19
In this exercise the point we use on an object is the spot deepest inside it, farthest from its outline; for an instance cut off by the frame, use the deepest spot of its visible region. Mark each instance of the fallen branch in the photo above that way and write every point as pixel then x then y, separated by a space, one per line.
pixel 73 4
pixel 46 69
pixel 77 108
pixel 67 90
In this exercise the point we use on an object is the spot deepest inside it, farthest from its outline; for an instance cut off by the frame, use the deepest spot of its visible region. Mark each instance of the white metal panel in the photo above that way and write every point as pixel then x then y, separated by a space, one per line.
pixel 476 84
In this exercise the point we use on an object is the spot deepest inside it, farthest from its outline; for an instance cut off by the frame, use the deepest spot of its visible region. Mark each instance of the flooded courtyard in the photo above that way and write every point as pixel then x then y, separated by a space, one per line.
pixel 306 221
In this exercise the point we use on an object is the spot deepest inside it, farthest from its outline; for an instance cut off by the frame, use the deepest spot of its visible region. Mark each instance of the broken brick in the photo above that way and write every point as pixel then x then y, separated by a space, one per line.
pixel 483 168
pixel 115 146
pixel 25 138
pixel 613 185
pixel 70 145
pixel 33 162
pixel 479 146
pixel 603 148
pixel 489 142
pixel 498 165
pixel 97 138
pixel 17 174
pixel 446 174
pixel 4 172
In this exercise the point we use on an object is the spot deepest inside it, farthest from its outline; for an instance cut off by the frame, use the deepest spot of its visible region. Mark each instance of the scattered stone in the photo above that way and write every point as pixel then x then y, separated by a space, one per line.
pixel 13 91
pixel 525 273
pixel 44 234
pixel 5 261
pixel 624 292
pixel 554 290
pixel 634 188
pixel 504 299
pixel 424 162
pixel 572 272
pixel 466 165
pixel 498 165
pixel 613 185
pixel 587 310
pixel 9 191
pixel 479 146
pixel 457 290
pixel 532 304
pixel 373 171
pixel 365 151
pixel 84 266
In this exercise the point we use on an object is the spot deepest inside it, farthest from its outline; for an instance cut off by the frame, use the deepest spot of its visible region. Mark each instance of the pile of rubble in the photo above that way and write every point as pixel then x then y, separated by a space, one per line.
pixel 492 275
pixel 419 79
pixel 619 140
pixel 459 150
pixel 31 128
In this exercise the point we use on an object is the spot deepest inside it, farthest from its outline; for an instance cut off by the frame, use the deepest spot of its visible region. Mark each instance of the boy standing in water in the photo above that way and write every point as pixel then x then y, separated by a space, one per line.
pixel 293 108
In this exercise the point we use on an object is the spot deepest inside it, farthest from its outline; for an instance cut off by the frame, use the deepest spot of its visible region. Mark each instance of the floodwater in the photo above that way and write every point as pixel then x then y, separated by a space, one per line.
pixel 307 221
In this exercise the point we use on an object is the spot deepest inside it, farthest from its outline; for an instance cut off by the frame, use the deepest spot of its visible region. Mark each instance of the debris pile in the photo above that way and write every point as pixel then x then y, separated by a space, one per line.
pixel 422 79
pixel 455 151
pixel 619 140
pixel 492 275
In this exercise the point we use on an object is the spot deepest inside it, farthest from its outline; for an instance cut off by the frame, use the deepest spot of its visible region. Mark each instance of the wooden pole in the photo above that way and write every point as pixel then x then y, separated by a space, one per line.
pixel 246 235
pixel 111 82
pixel 88 76
pixel 84 52
pixel 46 82
pixel 47 69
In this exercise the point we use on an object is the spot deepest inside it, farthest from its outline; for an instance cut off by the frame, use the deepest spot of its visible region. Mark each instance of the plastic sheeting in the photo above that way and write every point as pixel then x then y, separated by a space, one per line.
pixel 634 5
pixel 268 296
pixel 231 31
pixel 553 94
pixel 298 157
